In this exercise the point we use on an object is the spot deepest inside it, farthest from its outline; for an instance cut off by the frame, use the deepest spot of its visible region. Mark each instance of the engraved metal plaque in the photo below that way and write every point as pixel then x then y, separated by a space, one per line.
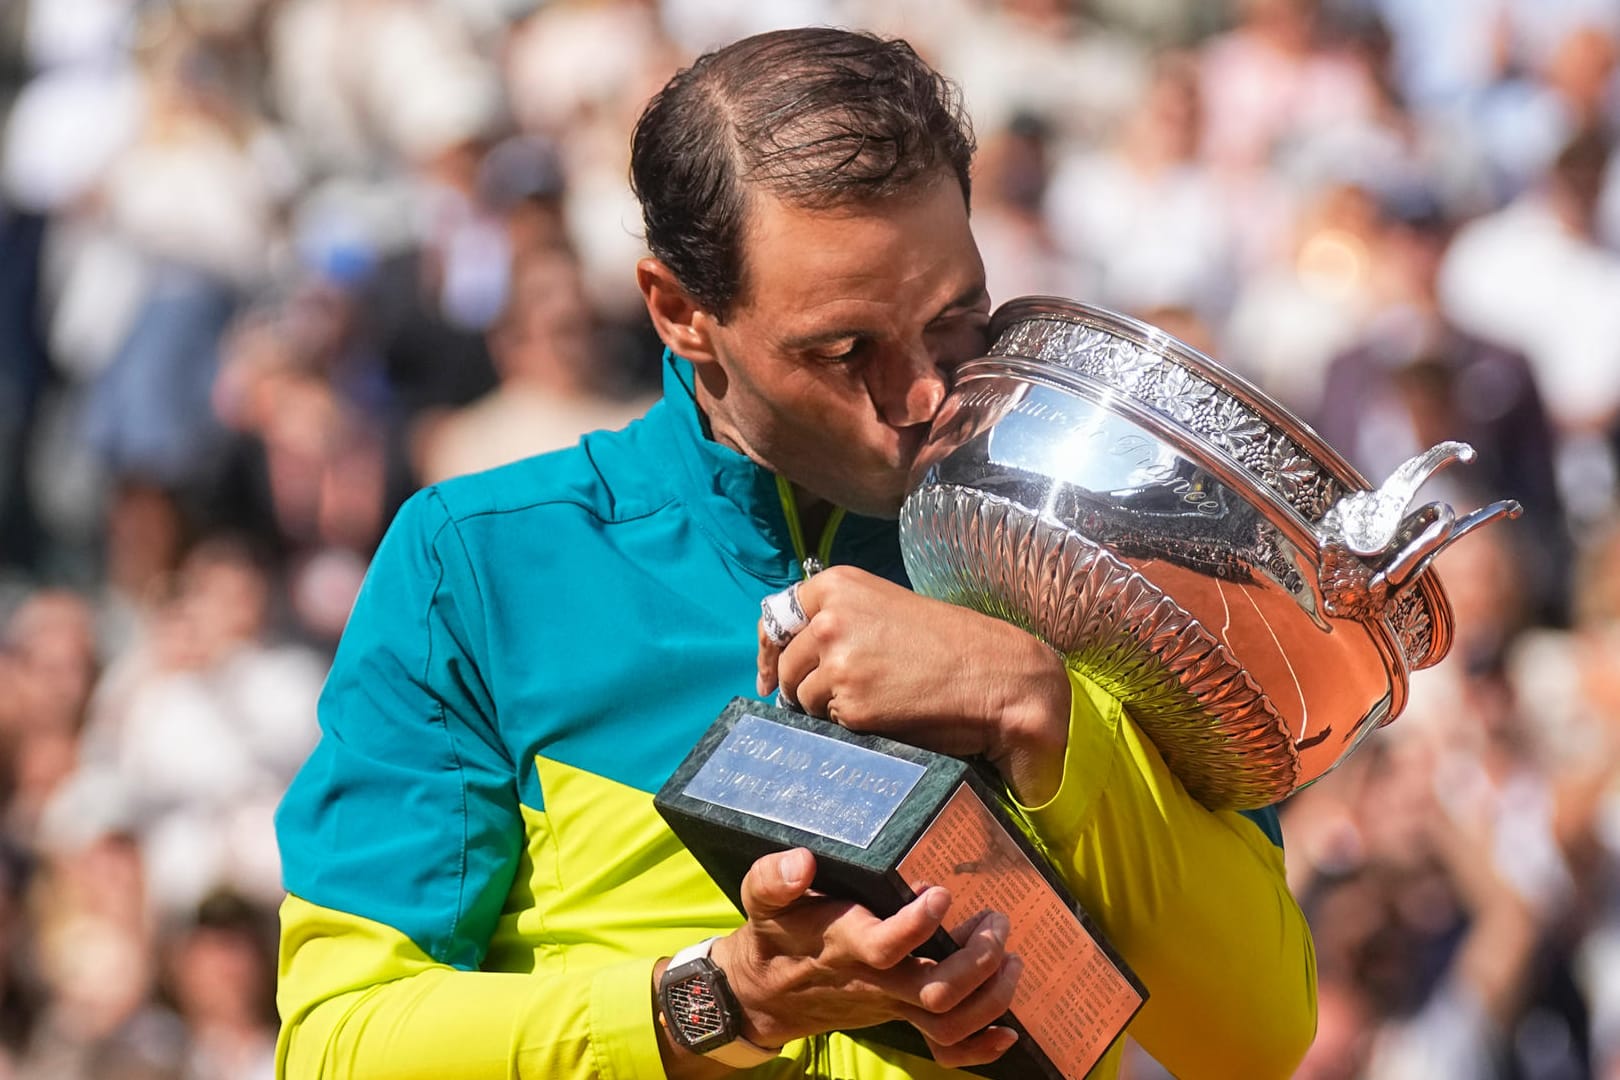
pixel 805 780
pixel 1073 998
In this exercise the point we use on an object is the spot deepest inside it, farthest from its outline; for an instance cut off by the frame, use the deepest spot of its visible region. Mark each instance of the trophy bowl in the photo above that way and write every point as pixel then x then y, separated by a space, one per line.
pixel 1185 542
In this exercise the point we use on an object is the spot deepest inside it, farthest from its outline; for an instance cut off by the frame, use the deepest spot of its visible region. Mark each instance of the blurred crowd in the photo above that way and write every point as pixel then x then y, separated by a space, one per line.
pixel 267 266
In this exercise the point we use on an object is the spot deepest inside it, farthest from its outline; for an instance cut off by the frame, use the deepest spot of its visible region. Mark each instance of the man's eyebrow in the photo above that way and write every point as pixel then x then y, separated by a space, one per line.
pixel 969 297
pixel 826 337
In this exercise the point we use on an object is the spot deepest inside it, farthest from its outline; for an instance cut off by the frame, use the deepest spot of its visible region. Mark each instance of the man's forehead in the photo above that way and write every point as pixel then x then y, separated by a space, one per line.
pixel 859 252
pixel 933 193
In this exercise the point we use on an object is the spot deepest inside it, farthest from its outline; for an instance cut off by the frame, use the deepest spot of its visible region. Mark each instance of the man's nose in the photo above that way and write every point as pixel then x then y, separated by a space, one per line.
pixel 910 388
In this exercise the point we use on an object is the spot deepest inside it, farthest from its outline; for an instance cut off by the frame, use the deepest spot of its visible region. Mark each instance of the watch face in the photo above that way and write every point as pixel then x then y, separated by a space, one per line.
pixel 692 1006
pixel 695 1004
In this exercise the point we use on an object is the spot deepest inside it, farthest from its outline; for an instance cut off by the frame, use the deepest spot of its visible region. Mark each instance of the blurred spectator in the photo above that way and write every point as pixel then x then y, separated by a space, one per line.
pixel 1577 674
pixel 1291 318
pixel 194 733
pixel 51 658
pixel 22 378
pixel 1145 221
pixel 625 45
pixel 221 974
pixel 1413 379
pixel 1269 81
pixel 547 353
pixel 19 989
pixel 97 961
pixel 1535 278
pixel 309 472
pixel 1041 57
pixel 1021 257
pixel 146 535
pixel 1562 89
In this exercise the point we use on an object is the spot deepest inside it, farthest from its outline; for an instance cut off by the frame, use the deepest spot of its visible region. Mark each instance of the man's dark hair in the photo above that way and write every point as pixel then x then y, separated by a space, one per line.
pixel 816 117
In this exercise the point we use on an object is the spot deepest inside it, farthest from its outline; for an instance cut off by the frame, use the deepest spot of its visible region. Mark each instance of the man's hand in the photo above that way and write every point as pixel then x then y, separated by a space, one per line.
pixel 877 657
pixel 805 964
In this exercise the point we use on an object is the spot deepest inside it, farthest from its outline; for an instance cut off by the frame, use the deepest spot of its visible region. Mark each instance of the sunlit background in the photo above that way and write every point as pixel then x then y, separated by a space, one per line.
pixel 267 266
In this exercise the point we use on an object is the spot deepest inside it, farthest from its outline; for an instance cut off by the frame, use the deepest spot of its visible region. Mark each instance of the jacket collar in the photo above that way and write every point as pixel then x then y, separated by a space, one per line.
pixel 735 501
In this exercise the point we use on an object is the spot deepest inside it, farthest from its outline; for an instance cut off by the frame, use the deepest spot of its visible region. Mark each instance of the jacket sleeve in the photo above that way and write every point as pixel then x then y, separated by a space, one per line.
pixel 360 1000
pixel 1194 900
pixel 400 838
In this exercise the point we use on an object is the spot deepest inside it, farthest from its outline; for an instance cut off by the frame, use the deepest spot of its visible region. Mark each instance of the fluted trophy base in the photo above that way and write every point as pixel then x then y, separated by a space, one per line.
pixel 1210 721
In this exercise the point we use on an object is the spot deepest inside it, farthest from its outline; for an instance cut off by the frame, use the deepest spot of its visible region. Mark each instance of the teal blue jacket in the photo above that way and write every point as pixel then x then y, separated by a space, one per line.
pixel 479 886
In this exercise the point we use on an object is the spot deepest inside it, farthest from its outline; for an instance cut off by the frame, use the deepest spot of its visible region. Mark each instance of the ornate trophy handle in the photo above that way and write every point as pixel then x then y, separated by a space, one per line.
pixel 1372 546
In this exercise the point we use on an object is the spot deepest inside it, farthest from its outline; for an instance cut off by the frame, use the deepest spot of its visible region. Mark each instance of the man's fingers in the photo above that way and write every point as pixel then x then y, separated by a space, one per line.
pixel 977 1011
pixel 950 982
pixel 883 944
pixel 814 693
pixel 766 661
pixel 783 618
pixel 794 664
pixel 980 1048
pixel 964 930
pixel 777 881
pixel 813 589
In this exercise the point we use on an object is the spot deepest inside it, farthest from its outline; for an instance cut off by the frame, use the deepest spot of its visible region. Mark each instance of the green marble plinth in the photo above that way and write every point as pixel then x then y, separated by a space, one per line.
pixel 883 817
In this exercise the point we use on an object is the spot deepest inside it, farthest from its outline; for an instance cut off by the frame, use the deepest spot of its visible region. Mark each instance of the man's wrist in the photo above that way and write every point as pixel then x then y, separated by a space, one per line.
pixel 1033 723
pixel 725 955
pixel 698 1011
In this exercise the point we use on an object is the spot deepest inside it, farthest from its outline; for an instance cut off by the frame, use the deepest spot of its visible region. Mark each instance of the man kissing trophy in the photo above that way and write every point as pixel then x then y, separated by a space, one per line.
pixel 1181 540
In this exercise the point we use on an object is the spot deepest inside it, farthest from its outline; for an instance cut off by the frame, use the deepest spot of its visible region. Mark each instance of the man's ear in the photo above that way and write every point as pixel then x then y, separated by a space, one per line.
pixel 680 321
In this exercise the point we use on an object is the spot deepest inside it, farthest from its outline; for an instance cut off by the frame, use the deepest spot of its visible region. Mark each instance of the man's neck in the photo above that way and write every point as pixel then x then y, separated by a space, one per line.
pixel 814 513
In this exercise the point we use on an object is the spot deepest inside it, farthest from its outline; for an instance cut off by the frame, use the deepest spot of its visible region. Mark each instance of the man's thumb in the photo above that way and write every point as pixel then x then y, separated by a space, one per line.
pixel 776 881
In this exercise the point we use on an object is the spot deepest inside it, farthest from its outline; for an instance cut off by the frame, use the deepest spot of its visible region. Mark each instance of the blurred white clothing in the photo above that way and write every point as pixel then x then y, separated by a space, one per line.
pixel 700 25
pixel 1150 241
pixel 200 199
pixel 1284 331
pixel 65 128
pixel 195 761
pixel 1080 81
pixel 512 423
pixel 570 59
pixel 1451 1036
pixel 1257 99
pixel 79 31
pixel 1520 278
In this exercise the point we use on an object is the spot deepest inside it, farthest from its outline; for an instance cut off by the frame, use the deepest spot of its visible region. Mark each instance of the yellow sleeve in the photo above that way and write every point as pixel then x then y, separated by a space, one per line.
pixel 359 1001
pixel 1195 900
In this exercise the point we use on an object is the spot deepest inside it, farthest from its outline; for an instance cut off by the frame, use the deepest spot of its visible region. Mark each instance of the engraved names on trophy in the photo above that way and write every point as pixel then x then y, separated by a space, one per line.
pixel 1072 999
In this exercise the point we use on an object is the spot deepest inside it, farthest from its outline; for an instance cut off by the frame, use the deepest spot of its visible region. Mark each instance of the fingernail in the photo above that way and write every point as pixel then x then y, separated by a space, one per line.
pixel 793 867
pixel 1000 927
pixel 1014 967
pixel 1005 1037
pixel 937 903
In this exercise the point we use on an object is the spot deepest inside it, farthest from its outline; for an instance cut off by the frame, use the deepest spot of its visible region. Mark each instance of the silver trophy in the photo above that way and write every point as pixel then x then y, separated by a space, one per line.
pixel 1186 542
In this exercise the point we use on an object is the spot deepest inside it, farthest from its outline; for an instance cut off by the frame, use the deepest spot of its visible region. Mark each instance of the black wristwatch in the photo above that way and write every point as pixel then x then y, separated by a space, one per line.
pixel 697 1006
